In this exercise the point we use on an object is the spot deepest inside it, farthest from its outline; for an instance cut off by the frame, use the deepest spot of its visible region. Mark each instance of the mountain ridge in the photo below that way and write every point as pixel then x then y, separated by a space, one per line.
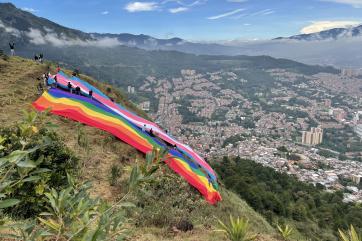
pixel 34 34
pixel 330 34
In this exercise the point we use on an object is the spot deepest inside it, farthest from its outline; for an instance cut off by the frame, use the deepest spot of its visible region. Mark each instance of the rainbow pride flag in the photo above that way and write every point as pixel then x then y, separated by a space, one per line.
pixel 63 80
pixel 93 113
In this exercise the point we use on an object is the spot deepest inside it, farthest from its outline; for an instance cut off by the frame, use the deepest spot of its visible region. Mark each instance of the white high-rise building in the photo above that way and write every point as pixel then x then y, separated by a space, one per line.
pixel 312 137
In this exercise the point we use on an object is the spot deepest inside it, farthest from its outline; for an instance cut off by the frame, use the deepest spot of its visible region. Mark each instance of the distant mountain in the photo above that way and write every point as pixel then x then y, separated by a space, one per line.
pixel 28 28
pixel 331 34
pixel 34 34
pixel 125 59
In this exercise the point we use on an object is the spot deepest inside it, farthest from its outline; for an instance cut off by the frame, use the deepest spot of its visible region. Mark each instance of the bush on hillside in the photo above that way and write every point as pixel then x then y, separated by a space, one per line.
pixel 53 161
pixel 278 197
pixel 167 202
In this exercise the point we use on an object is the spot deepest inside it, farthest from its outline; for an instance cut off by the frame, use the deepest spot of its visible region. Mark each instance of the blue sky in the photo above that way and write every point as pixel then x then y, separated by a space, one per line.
pixel 199 20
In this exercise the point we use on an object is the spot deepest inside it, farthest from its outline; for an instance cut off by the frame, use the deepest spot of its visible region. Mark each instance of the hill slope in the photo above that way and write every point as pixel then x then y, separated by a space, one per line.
pixel 18 90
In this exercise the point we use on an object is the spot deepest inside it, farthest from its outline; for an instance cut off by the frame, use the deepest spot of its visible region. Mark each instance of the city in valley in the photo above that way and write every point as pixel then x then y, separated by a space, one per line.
pixel 307 125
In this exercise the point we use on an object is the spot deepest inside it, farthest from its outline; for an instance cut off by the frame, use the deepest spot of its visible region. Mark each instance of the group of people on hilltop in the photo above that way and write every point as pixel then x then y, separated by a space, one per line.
pixel 44 81
pixel 39 58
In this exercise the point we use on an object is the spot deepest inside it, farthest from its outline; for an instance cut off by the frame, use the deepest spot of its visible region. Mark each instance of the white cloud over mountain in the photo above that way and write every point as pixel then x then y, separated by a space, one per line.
pixel 319 26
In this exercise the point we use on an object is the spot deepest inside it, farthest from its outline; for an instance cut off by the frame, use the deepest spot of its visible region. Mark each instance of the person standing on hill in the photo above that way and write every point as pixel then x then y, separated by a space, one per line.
pixel 12 48
pixel 77 90
pixel 70 87
pixel 41 58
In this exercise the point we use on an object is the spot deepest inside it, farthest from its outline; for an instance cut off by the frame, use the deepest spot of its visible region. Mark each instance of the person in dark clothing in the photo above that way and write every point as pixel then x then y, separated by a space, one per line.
pixel 75 72
pixel 90 94
pixel 151 133
pixel 12 48
pixel 55 84
pixel 111 99
pixel 41 58
pixel 36 58
pixel 77 90
pixel 70 87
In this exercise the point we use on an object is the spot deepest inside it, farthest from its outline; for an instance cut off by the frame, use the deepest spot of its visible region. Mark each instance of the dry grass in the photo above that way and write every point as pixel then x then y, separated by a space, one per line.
pixel 18 78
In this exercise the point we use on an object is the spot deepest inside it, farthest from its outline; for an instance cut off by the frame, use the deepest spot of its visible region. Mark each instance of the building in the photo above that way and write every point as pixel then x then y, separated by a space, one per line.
pixel 351 72
pixel 327 103
pixel 356 178
pixel 339 114
pixel 130 89
pixel 145 106
pixel 358 130
pixel 312 137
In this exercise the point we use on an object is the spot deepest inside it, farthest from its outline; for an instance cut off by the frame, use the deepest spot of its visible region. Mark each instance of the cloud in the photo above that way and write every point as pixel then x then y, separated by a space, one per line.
pixel 226 14
pixel 32 10
pixel 263 12
pixel 326 25
pixel 197 2
pixel 38 37
pixel 178 10
pixel 141 6
pixel 13 31
pixel 353 3
pixel 104 12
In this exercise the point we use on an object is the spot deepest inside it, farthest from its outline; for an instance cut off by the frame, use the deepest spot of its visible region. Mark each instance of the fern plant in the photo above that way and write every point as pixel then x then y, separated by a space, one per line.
pixel 349 235
pixel 237 230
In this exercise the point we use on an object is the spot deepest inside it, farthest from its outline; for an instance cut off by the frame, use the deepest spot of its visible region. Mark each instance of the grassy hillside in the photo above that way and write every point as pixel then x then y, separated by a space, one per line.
pixel 163 204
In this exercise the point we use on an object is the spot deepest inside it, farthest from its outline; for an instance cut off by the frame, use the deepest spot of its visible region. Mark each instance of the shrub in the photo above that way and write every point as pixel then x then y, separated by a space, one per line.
pixel 49 160
pixel 115 175
pixel 285 231
pixel 236 230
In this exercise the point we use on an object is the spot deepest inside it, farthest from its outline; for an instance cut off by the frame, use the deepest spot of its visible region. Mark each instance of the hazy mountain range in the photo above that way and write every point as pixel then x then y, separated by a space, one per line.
pixel 339 47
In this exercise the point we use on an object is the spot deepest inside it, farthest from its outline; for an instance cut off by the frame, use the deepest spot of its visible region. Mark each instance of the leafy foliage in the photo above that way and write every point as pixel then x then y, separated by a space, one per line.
pixel 27 156
pixel 71 213
pixel 236 230
pixel 115 174
pixel 278 196
pixel 349 235
pixel 285 231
